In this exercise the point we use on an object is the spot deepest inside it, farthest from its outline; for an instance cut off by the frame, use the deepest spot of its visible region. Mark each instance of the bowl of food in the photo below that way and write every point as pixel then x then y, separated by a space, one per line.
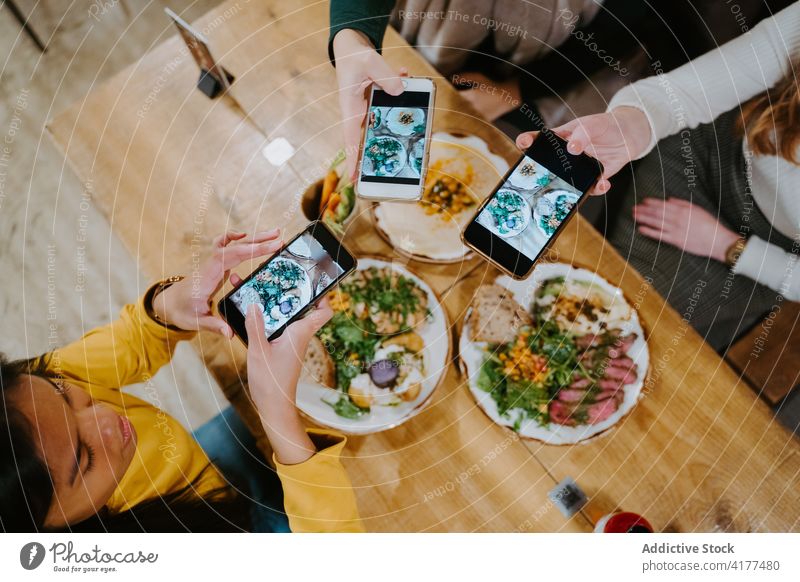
pixel 462 170
pixel 331 199
pixel 405 120
pixel 508 213
pixel 552 208
pixel 560 357
pixel 530 176
pixel 384 352
pixel 384 156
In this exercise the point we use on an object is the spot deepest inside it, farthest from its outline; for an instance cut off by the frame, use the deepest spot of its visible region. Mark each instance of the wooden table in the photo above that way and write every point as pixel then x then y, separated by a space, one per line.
pixel 171 169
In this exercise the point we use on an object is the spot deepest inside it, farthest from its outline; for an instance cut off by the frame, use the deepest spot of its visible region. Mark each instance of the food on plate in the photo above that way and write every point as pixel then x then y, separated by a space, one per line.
pixel 580 306
pixel 406 121
pixel 553 208
pixel 526 177
pixel 280 289
pixel 385 155
pixel 496 316
pixel 447 187
pixel 394 376
pixel 416 154
pixel 331 200
pixel 565 363
pixel 378 359
pixel 509 212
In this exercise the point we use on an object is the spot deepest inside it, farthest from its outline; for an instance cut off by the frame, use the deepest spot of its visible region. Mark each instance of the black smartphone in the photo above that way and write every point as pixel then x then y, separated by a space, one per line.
pixel 515 225
pixel 290 282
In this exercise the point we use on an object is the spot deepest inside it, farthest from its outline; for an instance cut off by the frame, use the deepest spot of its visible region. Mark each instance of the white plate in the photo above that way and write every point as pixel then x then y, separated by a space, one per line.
pixel 473 353
pixel 435 332
pixel 400 156
pixel 393 124
pixel 429 237
pixel 528 182
pixel 549 199
pixel 487 219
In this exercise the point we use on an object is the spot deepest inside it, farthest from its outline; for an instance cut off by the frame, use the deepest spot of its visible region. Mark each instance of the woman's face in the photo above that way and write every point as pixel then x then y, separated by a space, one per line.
pixel 87 446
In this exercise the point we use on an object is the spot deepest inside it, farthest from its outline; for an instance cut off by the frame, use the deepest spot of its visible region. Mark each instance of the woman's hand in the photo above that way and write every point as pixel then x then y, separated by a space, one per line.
pixel 615 138
pixel 685 225
pixel 187 304
pixel 273 369
pixel 358 65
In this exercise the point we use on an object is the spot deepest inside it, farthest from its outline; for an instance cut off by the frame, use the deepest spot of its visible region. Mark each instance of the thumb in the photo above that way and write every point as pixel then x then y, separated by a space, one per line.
pixel 385 77
pixel 300 332
pixel 254 324
pixel 579 140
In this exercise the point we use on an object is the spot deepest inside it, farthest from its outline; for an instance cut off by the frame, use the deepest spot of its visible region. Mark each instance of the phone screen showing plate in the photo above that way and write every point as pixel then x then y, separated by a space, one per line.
pixel 528 208
pixel 394 145
pixel 289 282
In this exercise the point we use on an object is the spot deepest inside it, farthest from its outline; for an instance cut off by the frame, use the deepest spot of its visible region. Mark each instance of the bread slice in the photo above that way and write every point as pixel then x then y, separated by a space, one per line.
pixel 496 316
pixel 318 365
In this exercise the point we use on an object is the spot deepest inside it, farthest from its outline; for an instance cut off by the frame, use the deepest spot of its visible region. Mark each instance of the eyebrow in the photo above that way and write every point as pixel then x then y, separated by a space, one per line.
pixel 73 475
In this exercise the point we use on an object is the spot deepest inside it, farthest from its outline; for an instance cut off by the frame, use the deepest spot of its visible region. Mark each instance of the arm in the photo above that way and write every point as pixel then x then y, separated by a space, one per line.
pixel 369 18
pixel 143 339
pixel 318 496
pixel 129 350
pixel 714 83
pixel 770 265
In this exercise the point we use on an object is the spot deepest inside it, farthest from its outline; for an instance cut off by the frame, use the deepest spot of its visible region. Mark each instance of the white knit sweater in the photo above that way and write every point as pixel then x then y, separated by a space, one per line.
pixel 714 83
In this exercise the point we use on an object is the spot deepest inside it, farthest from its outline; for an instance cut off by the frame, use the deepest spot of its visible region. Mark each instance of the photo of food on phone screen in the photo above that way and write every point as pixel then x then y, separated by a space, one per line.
pixel 529 207
pixel 394 144
pixel 290 281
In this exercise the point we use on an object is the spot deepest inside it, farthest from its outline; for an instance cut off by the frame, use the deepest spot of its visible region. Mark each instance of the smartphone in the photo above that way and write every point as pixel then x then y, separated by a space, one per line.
pixel 290 282
pixel 533 202
pixel 396 142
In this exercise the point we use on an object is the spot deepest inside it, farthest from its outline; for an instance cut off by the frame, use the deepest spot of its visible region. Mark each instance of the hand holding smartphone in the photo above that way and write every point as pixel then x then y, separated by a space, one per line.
pixel 522 217
pixel 396 142
pixel 290 282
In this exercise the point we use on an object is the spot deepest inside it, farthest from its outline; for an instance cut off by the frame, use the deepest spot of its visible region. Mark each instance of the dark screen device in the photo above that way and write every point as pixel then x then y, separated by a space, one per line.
pixel 290 282
pixel 535 199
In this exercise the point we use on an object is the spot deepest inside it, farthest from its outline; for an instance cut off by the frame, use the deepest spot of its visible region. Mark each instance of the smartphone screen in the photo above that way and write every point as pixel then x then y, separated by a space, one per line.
pixel 394 143
pixel 526 211
pixel 289 282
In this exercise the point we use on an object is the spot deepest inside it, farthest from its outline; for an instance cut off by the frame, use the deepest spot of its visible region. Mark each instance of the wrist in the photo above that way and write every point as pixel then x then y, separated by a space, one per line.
pixel 157 303
pixel 349 40
pixel 635 128
pixel 733 248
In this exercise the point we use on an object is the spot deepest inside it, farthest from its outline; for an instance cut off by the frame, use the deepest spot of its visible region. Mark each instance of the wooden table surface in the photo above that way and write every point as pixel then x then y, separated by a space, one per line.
pixel 170 169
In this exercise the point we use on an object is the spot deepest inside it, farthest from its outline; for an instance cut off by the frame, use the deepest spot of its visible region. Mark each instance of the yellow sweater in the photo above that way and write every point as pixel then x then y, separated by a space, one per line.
pixel 318 495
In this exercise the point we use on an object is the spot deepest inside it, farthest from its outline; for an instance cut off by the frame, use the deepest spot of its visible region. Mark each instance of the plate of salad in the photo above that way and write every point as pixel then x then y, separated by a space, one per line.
pixel 384 156
pixel 552 208
pixel 560 357
pixel 384 352
pixel 508 212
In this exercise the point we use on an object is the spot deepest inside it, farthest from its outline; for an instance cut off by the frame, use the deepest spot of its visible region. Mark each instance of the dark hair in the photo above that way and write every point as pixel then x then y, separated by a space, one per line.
pixel 26 488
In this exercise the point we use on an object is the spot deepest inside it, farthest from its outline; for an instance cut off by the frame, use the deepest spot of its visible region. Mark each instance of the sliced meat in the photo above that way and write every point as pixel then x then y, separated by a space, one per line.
pixel 600 411
pixel 561 413
pixel 609 384
pixel 571 395
pixel 622 362
pixel 624 343
pixel 620 374
pixel 581 384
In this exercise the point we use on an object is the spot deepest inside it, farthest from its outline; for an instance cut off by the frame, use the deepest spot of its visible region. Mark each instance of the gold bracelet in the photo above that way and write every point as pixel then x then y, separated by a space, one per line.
pixel 151 295
pixel 735 251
